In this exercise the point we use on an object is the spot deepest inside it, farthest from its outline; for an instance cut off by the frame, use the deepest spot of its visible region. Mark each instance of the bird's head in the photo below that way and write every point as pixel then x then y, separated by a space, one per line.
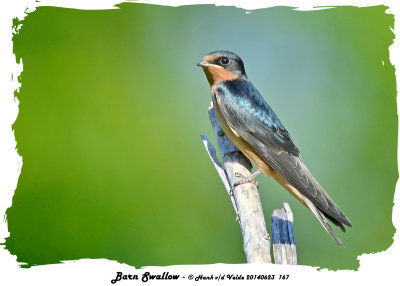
pixel 222 66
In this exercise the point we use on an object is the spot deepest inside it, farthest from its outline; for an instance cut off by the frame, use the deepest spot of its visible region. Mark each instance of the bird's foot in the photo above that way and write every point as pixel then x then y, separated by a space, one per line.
pixel 244 180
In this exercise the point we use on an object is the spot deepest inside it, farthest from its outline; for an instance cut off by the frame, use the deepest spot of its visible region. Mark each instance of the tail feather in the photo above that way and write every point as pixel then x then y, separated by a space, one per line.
pixel 323 220
pixel 334 221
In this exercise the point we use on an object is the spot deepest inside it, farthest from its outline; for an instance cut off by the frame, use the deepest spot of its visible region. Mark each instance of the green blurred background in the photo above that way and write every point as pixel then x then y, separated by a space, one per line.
pixel 111 111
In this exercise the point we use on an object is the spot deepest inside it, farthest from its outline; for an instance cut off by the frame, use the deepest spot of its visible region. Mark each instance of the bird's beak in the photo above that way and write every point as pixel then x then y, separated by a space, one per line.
pixel 203 63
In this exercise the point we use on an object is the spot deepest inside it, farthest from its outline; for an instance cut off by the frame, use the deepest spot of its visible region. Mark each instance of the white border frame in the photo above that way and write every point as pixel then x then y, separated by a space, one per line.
pixel 374 268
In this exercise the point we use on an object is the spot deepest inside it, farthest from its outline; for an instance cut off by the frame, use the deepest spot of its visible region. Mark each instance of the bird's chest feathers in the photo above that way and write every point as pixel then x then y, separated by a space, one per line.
pixel 226 126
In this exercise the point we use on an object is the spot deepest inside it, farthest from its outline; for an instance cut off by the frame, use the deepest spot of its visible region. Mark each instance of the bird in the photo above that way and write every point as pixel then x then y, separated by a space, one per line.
pixel 255 129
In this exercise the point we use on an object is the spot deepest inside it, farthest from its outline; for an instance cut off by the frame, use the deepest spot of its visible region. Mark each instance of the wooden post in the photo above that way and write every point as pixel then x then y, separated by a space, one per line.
pixel 284 246
pixel 245 197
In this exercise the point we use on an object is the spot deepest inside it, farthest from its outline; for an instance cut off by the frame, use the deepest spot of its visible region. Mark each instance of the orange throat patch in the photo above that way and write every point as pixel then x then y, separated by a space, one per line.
pixel 216 74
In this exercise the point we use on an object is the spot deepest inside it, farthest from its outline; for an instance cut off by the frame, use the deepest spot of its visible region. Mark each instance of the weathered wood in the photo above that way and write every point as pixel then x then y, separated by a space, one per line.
pixel 284 246
pixel 245 197
pixel 221 172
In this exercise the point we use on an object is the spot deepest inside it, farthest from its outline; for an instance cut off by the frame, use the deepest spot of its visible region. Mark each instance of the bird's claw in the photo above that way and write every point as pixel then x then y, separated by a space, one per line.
pixel 239 175
pixel 244 180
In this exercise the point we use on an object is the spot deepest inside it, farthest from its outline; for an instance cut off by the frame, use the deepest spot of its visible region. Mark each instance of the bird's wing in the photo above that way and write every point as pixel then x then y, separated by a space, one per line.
pixel 252 118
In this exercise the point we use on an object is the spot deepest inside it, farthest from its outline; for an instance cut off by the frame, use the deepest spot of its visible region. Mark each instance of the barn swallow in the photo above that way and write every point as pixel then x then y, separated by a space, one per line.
pixel 255 129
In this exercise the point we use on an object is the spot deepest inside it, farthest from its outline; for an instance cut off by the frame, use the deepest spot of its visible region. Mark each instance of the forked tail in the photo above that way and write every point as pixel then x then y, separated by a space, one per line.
pixel 323 220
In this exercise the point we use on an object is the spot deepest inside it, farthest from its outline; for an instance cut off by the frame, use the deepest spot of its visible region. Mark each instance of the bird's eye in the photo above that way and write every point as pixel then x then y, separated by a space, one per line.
pixel 224 60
